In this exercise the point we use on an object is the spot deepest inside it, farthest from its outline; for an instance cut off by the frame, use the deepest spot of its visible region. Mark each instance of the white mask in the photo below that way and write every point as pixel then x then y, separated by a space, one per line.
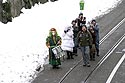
pixel 53 33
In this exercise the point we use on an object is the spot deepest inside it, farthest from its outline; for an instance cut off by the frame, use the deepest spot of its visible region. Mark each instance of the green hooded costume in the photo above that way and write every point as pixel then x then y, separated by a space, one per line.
pixel 52 41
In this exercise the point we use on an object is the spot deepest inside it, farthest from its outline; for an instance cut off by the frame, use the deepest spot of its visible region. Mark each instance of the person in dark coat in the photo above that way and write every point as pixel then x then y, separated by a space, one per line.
pixel 96 29
pixel 92 48
pixel 81 21
pixel 52 41
pixel 75 32
pixel 85 40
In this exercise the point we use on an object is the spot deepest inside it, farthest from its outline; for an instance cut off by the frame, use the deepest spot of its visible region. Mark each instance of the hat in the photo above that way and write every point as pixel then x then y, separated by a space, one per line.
pixel 93 20
pixel 80 14
pixel 73 21
pixel 52 29
pixel 83 25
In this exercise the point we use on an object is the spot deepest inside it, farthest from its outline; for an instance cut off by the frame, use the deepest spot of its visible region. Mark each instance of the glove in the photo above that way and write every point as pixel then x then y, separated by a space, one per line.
pixel 90 46
pixel 65 31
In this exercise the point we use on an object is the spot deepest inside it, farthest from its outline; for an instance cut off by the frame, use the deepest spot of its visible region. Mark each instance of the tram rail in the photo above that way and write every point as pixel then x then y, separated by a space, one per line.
pixel 104 58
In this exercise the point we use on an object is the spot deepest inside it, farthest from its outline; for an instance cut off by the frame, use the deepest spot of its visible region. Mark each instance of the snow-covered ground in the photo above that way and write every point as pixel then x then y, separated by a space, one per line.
pixel 22 42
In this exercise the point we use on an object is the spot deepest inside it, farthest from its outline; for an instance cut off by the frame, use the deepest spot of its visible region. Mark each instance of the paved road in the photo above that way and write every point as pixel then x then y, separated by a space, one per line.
pixel 78 75
pixel 102 73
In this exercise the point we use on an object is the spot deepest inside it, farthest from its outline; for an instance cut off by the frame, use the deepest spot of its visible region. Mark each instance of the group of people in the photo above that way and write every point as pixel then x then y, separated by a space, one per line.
pixel 78 35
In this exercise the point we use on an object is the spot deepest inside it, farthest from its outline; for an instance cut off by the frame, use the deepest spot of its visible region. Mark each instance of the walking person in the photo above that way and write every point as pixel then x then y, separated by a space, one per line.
pixel 85 40
pixel 67 42
pixel 96 29
pixel 52 41
pixel 75 32
pixel 92 48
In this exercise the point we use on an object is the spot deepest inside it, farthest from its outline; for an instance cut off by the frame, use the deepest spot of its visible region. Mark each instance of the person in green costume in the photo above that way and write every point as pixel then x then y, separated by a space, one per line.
pixel 52 41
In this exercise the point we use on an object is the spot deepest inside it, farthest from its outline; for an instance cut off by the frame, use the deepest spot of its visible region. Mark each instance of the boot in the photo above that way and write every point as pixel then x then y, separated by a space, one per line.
pixel 54 66
pixel 71 55
pixel 97 50
pixel 97 53
pixel 68 55
pixel 93 56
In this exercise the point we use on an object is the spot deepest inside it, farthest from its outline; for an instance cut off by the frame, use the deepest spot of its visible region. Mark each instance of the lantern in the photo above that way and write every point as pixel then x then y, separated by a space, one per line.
pixel 81 5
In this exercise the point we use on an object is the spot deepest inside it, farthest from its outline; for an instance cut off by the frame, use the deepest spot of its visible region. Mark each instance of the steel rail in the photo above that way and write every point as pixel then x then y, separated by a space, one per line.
pixel 112 31
pixel 100 42
pixel 105 57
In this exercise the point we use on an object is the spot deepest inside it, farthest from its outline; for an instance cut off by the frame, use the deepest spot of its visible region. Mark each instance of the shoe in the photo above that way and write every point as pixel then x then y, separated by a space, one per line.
pixel 93 59
pixel 57 67
pixel 76 54
pixel 98 55
pixel 72 58
pixel 54 67
pixel 88 65
pixel 73 53
pixel 84 64
pixel 68 58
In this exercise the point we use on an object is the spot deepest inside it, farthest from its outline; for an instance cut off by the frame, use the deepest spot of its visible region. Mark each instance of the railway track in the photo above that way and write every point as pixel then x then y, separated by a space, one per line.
pixel 72 71
pixel 105 56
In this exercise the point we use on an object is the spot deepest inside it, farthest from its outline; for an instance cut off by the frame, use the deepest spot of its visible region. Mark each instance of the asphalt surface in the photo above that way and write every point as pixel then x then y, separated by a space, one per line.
pixel 102 73
pixel 79 73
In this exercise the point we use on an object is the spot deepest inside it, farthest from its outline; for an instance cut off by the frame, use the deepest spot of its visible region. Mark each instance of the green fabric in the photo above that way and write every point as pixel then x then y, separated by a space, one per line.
pixel 81 5
pixel 55 62
pixel 84 38
pixel 52 58
pixel 53 43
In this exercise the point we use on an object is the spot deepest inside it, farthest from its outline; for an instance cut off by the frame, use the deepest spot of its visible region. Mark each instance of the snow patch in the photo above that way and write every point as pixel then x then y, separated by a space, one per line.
pixel 22 42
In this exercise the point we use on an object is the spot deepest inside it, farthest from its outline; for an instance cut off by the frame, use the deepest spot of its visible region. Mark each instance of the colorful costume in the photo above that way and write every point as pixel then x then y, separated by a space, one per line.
pixel 52 41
